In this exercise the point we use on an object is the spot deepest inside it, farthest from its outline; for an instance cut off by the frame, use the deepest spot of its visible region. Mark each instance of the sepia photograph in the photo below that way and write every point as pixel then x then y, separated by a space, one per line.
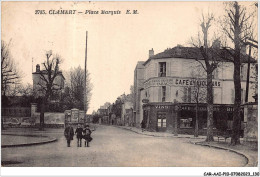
pixel 130 84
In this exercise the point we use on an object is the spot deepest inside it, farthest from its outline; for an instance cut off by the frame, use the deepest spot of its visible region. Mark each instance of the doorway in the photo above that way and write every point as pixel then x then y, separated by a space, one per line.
pixel 161 121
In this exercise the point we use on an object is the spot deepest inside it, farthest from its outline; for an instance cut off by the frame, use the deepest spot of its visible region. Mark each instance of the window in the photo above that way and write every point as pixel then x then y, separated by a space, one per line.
pixel 186 123
pixel 163 93
pixel 242 96
pixel 215 74
pixel 187 94
pixel 162 69
pixel 161 120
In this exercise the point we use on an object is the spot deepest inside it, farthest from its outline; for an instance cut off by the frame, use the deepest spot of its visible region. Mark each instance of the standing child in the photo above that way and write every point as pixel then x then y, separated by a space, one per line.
pixel 86 135
pixel 79 131
pixel 69 133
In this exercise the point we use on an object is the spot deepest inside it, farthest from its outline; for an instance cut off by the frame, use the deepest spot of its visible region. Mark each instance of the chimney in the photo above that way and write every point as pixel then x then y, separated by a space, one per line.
pixel 243 49
pixel 37 68
pixel 216 44
pixel 151 53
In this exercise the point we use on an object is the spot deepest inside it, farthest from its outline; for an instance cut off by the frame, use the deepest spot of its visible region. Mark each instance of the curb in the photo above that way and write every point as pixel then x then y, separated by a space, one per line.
pixel 29 144
pixel 154 135
pixel 249 162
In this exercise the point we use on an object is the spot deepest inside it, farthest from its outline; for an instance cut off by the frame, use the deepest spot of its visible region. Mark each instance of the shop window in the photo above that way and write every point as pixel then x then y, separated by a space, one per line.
pixel 163 93
pixel 186 123
pixel 162 69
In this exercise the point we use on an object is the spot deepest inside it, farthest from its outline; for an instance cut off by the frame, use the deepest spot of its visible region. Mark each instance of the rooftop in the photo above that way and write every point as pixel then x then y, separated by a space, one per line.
pixel 193 53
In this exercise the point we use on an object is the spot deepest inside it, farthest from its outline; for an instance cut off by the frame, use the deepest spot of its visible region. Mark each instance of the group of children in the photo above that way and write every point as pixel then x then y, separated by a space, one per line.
pixel 81 133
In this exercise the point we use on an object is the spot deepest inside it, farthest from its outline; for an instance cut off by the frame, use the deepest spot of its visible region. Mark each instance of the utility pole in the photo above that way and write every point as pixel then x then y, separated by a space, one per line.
pixel 85 78
pixel 251 43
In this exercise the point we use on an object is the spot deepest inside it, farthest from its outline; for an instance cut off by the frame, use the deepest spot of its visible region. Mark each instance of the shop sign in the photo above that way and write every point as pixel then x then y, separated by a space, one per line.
pixel 162 107
pixel 187 82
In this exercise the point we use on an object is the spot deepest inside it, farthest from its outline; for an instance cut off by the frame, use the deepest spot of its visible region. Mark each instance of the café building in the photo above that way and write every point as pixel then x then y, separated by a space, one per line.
pixel 171 81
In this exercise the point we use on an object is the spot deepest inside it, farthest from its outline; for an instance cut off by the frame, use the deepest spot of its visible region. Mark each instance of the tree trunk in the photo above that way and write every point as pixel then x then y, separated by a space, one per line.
pixel 209 108
pixel 236 114
pixel 196 133
pixel 2 123
pixel 42 114
pixel 237 82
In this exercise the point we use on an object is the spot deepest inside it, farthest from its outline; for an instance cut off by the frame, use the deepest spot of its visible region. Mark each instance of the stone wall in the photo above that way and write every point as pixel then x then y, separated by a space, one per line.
pixel 251 124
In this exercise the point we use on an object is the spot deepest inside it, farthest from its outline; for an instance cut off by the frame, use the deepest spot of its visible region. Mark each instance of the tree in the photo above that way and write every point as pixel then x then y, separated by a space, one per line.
pixel 10 75
pixel 209 55
pixel 238 26
pixel 75 93
pixel 47 85
pixel 198 93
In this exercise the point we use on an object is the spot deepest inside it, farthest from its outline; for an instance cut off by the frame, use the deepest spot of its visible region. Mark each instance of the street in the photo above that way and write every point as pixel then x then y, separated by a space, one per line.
pixel 115 147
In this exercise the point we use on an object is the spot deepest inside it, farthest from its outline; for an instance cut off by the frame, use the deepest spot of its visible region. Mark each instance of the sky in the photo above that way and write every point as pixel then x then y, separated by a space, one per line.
pixel 115 42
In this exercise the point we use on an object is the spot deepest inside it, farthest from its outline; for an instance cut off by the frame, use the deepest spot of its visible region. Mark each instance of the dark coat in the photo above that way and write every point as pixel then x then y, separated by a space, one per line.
pixel 86 134
pixel 69 133
pixel 79 132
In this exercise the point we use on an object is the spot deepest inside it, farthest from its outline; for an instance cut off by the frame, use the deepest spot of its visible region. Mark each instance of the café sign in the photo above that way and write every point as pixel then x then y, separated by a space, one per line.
pixel 187 82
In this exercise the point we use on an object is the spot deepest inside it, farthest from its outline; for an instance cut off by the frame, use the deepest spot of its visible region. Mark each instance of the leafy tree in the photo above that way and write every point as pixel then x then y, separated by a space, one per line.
pixel 74 92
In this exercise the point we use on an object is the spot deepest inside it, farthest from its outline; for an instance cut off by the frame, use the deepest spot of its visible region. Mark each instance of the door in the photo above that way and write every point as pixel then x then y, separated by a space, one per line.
pixel 161 121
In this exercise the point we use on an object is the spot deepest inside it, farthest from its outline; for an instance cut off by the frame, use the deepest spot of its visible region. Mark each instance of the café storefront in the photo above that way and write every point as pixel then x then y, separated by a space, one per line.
pixel 162 117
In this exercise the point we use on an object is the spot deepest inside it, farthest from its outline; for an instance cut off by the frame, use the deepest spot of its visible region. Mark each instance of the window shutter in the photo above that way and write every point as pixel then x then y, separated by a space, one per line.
pixel 159 94
pixel 185 94
pixel 232 96
pixel 168 68
pixel 156 69
pixel 242 96
pixel 168 94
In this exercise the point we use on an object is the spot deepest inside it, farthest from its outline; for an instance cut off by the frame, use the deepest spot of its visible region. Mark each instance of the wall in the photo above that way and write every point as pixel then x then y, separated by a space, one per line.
pixel 251 125
pixel 184 69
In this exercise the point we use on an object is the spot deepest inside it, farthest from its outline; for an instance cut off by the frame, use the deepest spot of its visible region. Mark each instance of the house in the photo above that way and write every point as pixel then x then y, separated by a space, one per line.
pixel 39 84
pixel 165 84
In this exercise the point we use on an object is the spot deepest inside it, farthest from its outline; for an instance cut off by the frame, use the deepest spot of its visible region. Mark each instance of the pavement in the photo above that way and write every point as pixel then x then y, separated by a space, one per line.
pixel 116 147
pixel 250 153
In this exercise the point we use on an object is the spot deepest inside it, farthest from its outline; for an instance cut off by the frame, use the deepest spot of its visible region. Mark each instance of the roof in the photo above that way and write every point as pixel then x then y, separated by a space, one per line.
pixel 140 65
pixel 192 53
pixel 45 72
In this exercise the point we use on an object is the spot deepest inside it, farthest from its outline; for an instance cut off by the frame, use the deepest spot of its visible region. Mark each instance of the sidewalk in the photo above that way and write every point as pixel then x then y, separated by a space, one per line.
pixel 251 154
pixel 17 137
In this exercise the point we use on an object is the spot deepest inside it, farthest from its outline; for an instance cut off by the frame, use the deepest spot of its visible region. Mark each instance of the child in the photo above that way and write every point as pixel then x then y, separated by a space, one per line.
pixel 86 135
pixel 79 131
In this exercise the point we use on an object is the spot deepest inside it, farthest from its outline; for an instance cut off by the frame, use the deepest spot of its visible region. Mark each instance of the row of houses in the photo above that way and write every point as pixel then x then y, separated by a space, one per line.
pixel 110 116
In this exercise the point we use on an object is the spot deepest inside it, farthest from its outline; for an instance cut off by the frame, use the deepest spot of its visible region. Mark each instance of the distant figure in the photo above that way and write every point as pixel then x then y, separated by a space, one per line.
pixel 79 131
pixel 86 135
pixel 112 121
pixel 143 125
pixel 69 133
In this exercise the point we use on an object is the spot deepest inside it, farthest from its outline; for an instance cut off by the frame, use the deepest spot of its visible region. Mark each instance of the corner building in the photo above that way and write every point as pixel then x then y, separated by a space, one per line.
pixel 170 83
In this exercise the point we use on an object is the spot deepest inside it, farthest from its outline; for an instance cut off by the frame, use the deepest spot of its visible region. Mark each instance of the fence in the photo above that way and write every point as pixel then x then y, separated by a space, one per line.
pixel 16 112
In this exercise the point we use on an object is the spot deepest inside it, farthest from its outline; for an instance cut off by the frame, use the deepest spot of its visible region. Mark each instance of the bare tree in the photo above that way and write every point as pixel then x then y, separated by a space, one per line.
pixel 47 85
pixel 10 75
pixel 238 26
pixel 198 93
pixel 209 64
pixel 9 72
